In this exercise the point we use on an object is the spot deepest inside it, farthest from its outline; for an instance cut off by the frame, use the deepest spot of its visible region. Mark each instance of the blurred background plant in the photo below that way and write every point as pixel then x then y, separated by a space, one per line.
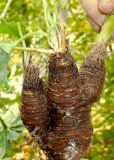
pixel 15 142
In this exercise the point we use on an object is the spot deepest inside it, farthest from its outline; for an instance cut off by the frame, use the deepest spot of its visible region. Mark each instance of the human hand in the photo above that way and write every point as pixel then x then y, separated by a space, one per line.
pixel 97 10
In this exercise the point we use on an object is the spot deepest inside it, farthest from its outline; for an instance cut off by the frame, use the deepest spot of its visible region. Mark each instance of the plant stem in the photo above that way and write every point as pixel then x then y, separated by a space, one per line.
pixel 3 14
pixel 107 29
pixel 21 34
pixel 34 50
pixel 23 43
pixel 28 35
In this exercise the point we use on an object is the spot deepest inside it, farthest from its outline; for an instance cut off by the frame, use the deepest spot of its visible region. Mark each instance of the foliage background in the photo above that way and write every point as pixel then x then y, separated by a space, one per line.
pixel 15 142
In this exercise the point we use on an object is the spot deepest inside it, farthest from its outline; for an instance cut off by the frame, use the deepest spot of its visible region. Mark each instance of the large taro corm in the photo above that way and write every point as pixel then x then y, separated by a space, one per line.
pixel 61 117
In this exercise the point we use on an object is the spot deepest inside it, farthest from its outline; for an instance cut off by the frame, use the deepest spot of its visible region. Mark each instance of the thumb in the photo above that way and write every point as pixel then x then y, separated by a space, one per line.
pixel 106 6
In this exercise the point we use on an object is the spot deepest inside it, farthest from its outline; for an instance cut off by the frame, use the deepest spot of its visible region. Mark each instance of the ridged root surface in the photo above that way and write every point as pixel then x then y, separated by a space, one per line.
pixel 34 110
pixel 92 73
pixel 70 95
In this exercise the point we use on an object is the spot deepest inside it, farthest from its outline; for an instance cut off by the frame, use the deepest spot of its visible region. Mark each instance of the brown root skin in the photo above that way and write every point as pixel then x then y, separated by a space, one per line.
pixel 70 95
pixel 62 78
pixel 66 120
pixel 34 109
pixel 92 73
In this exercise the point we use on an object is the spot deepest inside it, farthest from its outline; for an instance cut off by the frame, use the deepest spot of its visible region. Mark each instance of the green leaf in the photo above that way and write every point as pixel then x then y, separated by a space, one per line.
pixel 16 123
pixel 12 130
pixel 3 145
pixel 5 50
pixel 12 135
pixel 18 128
pixel 9 28
pixel 11 116
pixel 1 128
pixel 4 57
pixel 12 119
pixel 7 46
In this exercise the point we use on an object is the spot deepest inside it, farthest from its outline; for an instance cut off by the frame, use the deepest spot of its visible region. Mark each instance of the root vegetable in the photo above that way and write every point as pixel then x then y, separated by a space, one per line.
pixel 34 104
pixel 70 94
pixel 61 117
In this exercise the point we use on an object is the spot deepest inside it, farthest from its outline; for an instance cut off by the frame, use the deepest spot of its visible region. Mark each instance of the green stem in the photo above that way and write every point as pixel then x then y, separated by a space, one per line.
pixel 3 123
pixel 53 30
pixel 6 9
pixel 107 29
pixel 50 51
pixel 21 34
pixel 26 36
pixel 45 7
pixel 23 43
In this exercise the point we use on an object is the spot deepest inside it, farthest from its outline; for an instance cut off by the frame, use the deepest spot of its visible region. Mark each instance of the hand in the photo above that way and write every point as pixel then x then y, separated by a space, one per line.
pixel 97 11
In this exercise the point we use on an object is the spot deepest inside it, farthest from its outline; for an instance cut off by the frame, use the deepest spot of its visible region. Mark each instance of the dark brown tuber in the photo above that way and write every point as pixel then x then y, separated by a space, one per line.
pixel 70 94
pixel 34 104
pixel 63 118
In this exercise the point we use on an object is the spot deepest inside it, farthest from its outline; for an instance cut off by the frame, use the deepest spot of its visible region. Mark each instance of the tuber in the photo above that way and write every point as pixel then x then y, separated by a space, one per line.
pixel 70 94
pixel 61 115
pixel 34 108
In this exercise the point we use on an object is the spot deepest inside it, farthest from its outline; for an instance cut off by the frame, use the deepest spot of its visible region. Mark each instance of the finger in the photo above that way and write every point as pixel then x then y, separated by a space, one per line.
pixel 91 8
pixel 97 27
pixel 106 6
pixel 113 36
pixel 94 25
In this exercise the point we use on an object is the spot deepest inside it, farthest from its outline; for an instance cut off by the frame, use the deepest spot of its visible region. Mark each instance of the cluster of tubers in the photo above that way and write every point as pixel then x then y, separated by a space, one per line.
pixel 60 113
